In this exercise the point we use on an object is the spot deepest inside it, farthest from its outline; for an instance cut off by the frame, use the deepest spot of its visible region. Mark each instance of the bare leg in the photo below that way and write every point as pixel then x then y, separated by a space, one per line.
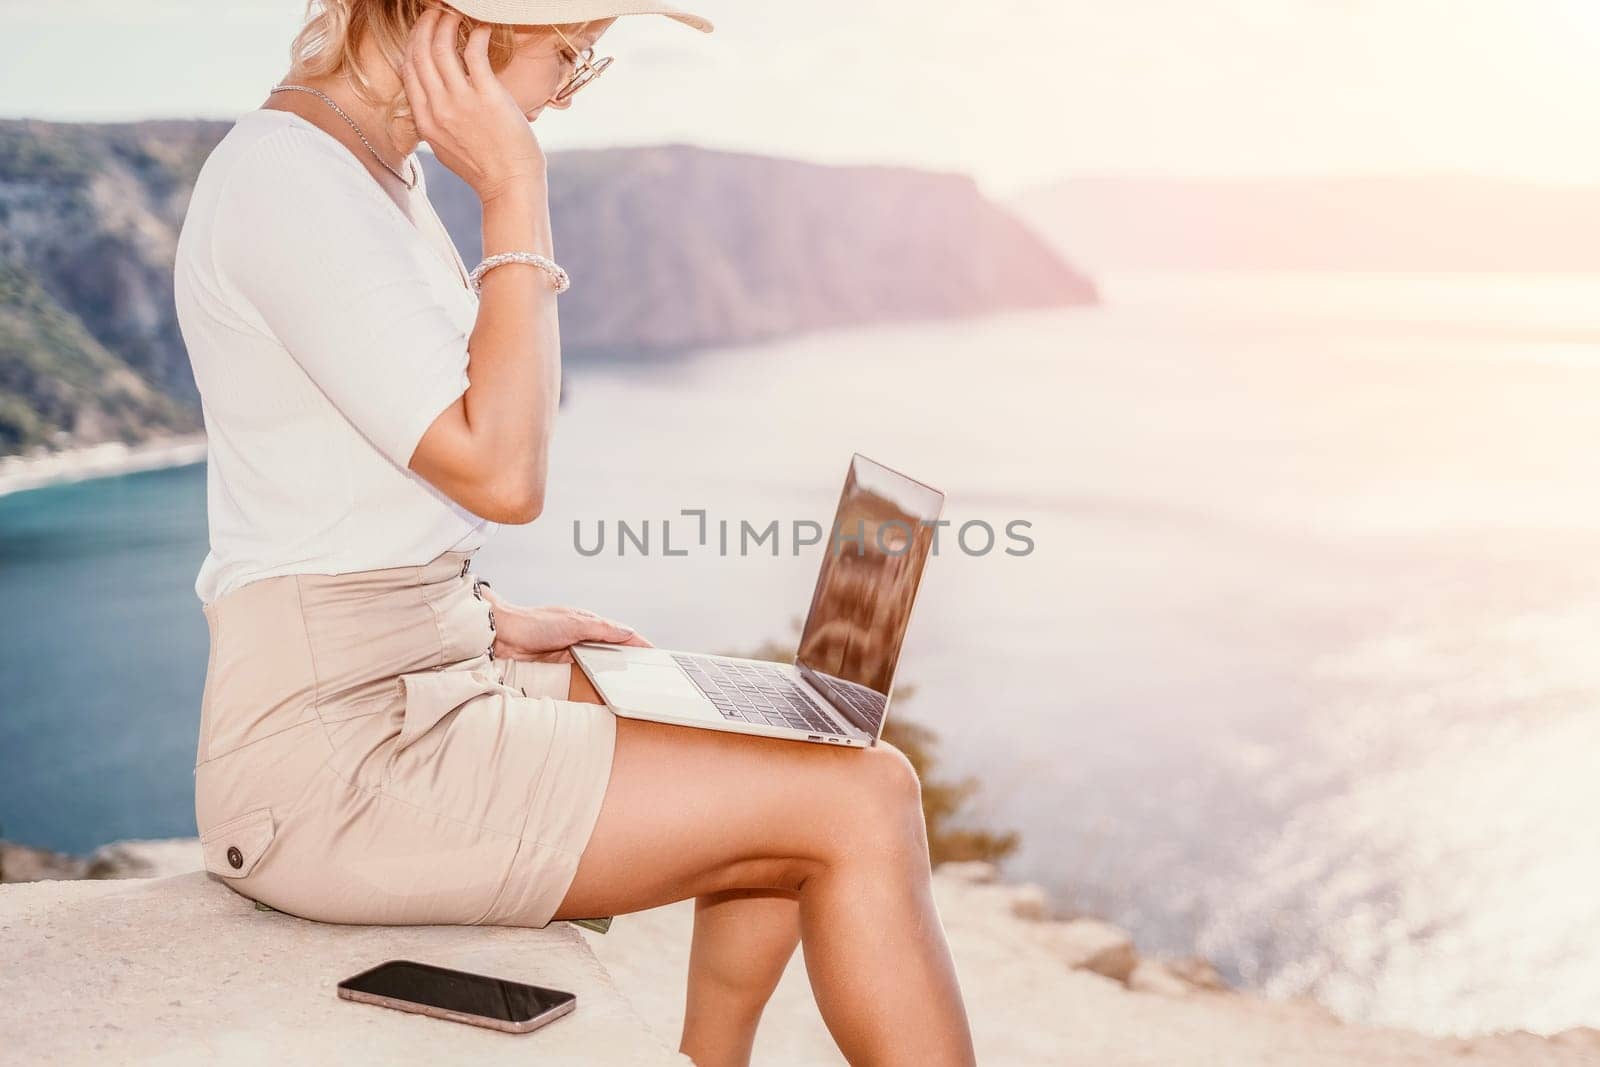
pixel 743 940
pixel 691 813
pixel 579 688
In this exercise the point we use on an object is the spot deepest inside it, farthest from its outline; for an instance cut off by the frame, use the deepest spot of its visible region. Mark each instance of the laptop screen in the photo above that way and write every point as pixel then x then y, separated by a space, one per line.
pixel 871 565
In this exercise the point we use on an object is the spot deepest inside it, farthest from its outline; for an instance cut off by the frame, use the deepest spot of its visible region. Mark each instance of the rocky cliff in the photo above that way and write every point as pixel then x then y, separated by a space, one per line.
pixel 89 217
pixel 670 248
pixel 676 247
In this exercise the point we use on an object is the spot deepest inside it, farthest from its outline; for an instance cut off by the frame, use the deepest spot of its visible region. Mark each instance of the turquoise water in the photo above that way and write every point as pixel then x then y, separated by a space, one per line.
pixel 103 657
pixel 1300 673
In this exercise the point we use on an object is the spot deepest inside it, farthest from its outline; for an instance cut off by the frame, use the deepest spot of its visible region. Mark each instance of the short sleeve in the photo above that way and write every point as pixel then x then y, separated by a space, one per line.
pixel 311 242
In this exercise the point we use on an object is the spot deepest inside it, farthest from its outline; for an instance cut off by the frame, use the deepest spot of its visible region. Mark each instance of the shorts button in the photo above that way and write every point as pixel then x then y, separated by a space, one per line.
pixel 235 857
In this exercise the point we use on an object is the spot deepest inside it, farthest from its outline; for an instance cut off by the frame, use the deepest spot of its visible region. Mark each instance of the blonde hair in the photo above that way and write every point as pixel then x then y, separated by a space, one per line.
pixel 329 43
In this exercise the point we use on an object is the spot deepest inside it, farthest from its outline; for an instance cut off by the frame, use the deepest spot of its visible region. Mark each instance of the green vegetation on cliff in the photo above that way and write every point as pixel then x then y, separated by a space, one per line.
pixel 55 378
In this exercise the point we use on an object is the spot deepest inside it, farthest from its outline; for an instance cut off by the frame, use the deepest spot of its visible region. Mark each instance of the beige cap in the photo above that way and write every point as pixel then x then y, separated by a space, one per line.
pixel 548 12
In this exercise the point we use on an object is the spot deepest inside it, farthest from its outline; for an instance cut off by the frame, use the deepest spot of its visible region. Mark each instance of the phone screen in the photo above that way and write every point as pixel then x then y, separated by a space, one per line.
pixel 458 991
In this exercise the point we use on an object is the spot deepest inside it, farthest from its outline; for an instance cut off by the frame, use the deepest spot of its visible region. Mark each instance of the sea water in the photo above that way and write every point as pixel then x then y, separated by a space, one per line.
pixel 1298 672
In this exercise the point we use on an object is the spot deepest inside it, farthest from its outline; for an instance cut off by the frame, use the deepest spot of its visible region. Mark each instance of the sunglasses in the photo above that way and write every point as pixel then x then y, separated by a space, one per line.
pixel 588 68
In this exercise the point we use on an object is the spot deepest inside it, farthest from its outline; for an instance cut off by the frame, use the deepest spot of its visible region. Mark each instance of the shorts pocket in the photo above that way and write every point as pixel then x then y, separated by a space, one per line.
pixel 233 848
pixel 431 696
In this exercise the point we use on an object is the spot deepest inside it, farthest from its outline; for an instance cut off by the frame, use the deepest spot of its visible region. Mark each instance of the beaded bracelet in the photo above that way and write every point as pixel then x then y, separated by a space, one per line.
pixel 544 263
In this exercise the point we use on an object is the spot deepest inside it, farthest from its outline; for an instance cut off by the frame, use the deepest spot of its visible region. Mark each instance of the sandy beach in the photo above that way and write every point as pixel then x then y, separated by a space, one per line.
pixel 39 469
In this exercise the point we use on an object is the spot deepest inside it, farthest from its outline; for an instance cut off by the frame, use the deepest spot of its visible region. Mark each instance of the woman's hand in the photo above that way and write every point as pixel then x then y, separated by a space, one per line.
pixel 467 115
pixel 548 633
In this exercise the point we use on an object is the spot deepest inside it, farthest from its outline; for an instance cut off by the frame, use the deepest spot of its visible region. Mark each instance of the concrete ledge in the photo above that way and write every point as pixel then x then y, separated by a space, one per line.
pixel 183 970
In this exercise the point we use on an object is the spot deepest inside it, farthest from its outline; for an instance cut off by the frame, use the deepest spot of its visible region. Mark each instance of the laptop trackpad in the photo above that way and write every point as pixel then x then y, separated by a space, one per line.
pixel 630 680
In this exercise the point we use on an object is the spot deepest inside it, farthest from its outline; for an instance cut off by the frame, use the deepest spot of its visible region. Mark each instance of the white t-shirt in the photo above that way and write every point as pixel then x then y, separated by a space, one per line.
pixel 327 332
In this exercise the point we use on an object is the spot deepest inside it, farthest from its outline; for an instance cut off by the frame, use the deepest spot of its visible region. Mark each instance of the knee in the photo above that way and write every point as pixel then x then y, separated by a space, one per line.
pixel 876 813
pixel 889 805
pixel 895 776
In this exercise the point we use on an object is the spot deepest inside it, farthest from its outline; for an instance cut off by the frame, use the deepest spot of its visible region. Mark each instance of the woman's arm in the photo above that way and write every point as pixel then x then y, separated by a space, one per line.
pixel 489 451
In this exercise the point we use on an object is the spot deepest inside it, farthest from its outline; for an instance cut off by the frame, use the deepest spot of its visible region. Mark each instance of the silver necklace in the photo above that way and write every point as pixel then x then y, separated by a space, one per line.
pixel 410 183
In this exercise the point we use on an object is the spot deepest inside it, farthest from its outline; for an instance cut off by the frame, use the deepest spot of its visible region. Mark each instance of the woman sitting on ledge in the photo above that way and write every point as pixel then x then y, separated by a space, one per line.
pixel 382 739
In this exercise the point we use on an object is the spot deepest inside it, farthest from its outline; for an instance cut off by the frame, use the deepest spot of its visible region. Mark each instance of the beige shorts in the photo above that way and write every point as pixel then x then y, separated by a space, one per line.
pixel 364 758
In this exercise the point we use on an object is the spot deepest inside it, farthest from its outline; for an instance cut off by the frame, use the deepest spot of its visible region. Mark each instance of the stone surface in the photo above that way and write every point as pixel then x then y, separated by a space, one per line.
pixel 136 858
pixel 1201 974
pixel 1028 1010
pixel 145 858
pixel 1153 976
pixel 1091 945
pixel 274 1002
pixel 23 863
pixel 1030 901
pixel 182 969
pixel 974 872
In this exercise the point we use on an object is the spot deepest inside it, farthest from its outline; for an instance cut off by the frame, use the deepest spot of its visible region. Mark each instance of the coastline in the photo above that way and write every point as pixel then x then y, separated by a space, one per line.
pixel 1041 989
pixel 1044 990
pixel 37 470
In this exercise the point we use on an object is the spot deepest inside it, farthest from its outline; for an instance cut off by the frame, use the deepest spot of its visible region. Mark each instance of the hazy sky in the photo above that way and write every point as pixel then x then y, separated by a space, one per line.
pixel 1013 91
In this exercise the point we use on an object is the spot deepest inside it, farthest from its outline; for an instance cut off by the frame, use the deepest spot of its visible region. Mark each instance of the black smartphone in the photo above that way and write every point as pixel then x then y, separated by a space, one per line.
pixel 459 996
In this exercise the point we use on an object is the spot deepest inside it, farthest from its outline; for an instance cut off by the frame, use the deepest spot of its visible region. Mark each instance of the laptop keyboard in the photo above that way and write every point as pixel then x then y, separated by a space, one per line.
pixel 867 703
pixel 753 692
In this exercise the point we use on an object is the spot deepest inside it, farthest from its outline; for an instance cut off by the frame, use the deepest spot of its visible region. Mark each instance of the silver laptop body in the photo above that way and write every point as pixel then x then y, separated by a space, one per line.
pixel 837 691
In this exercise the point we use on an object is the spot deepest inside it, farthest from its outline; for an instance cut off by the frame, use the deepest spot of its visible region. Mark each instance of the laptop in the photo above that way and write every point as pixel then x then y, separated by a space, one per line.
pixel 837 691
